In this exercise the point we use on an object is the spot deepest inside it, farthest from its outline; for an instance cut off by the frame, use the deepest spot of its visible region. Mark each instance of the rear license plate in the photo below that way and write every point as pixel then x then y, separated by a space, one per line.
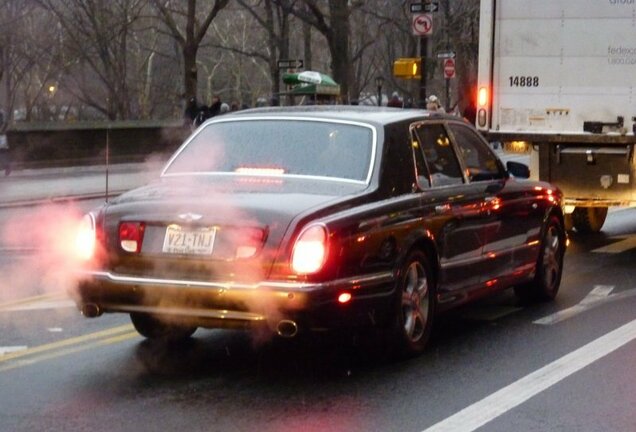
pixel 195 241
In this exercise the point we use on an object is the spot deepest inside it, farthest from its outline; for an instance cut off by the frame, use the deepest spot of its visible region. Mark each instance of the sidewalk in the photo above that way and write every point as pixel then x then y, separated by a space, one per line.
pixel 35 186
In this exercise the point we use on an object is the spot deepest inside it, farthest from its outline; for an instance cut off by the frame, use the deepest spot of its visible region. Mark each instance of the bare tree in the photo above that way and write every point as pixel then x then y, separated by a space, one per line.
pixel 462 31
pixel 274 18
pixel 237 60
pixel 96 36
pixel 188 31
pixel 26 53
pixel 334 24
pixel 119 58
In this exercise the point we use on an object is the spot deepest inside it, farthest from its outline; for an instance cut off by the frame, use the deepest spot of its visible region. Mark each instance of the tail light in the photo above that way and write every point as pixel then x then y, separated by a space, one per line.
pixel 248 242
pixel 131 236
pixel 482 104
pixel 482 97
pixel 310 251
pixel 86 238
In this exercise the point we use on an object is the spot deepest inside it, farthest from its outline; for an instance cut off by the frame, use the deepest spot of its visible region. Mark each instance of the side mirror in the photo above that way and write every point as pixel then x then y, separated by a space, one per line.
pixel 517 169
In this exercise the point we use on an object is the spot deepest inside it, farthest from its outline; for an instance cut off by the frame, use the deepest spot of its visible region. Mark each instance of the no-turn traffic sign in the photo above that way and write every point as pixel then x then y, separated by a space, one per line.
pixel 422 24
pixel 449 68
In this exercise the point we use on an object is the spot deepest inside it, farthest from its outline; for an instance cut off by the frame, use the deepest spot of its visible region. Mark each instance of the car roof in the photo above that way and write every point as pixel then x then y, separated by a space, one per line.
pixel 366 114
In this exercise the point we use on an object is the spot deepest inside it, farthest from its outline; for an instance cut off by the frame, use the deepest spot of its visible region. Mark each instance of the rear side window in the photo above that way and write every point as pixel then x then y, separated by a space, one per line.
pixel 480 163
pixel 439 156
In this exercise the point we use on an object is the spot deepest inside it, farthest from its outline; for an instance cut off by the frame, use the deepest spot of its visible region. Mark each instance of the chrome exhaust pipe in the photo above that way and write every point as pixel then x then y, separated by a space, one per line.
pixel 287 328
pixel 91 310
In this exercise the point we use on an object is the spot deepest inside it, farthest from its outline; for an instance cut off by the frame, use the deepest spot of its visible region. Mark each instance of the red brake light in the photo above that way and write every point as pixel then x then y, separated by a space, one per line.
pixel 131 236
pixel 482 97
pixel 310 250
pixel 344 297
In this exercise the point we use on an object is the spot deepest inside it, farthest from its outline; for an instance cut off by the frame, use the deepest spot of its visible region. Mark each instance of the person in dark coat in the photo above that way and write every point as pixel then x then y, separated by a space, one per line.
pixel 395 101
pixel 191 110
pixel 215 107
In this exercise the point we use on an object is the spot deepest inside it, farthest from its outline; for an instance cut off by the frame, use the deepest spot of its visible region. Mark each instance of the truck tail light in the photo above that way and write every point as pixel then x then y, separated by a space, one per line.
pixel 131 236
pixel 482 106
pixel 310 251
pixel 482 97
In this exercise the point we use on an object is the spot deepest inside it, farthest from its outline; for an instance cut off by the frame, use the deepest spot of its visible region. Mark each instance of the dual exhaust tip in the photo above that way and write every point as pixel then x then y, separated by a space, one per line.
pixel 287 328
pixel 91 310
pixel 284 328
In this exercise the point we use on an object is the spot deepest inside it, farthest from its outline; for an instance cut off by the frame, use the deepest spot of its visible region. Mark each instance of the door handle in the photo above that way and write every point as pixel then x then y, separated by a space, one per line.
pixel 491 203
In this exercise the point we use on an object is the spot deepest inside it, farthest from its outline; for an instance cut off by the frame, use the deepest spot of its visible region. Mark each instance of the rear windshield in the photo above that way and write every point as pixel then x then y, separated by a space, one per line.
pixel 279 147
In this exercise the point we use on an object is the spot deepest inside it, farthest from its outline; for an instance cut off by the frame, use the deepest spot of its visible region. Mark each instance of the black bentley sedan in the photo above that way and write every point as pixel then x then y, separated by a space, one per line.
pixel 302 219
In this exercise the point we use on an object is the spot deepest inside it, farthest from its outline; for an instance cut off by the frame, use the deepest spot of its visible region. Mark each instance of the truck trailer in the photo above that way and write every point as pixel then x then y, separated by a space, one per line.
pixel 557 80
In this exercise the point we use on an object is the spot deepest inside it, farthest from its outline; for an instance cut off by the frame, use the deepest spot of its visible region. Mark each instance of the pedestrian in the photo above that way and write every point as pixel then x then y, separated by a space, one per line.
pixel 191 111
pixel 395 101
pixel 470 112
pixel 203 113
pixel 433 104
pixel 215 106
pixel 5 157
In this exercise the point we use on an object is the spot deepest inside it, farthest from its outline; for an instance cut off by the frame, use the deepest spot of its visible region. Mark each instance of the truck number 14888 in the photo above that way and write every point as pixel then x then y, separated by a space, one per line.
pixel 524 81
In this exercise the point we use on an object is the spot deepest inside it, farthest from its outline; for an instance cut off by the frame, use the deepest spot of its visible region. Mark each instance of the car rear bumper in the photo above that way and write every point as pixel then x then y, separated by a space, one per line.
pixel 311 306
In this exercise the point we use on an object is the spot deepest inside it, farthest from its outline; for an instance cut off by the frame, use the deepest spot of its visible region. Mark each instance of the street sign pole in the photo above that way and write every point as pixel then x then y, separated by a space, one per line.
pixel 422 25
pixel 423 53
pixel 449 73
pixel 447 94
pixel 423 50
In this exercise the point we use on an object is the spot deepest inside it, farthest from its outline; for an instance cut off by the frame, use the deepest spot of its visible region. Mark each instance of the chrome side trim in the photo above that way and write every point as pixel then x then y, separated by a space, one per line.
pixel 196 313
pixel 352 282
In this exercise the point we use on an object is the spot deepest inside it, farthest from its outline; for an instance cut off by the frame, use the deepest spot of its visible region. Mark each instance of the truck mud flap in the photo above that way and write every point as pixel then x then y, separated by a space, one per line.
pixel 590 173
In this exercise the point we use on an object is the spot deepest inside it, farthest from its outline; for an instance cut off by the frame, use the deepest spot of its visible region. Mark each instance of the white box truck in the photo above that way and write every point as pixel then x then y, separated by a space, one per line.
pixel 557 79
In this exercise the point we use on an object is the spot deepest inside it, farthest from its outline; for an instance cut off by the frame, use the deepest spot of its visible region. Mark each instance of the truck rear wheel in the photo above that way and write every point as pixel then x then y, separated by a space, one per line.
pixel 589 219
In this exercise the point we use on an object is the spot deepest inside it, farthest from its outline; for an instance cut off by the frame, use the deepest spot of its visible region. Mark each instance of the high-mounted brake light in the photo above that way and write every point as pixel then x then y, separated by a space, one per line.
pixel 85 238
pixel 310 250
pixel 131 236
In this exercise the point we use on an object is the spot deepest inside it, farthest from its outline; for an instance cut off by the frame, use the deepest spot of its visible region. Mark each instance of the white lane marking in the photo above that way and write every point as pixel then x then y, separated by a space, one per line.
pixel 53 304
pixel 489 312
pixel 513 395
pixel 598 295
pixel 618 247
pixel 11 349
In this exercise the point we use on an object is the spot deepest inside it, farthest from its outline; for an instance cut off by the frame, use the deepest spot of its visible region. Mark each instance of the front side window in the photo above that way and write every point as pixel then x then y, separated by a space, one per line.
pixel 279 147
pixel 439 155
pixel 480 163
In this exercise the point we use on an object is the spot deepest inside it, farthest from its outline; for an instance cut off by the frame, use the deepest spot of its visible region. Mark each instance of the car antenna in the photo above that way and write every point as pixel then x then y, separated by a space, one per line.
pixel 107 158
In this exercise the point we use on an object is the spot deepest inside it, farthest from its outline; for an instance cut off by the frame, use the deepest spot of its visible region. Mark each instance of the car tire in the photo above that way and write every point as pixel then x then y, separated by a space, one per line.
pixel 587 220
pixel 152 327
pixel 547 279
pixel 415 305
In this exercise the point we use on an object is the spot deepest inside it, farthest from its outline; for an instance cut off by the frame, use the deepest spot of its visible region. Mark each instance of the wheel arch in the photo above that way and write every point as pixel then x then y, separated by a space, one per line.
pixel 424 242
pixel 558 213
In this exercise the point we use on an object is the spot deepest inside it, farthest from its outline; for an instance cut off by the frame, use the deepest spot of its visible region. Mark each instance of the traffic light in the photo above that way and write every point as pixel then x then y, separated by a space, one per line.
pixel 407 68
